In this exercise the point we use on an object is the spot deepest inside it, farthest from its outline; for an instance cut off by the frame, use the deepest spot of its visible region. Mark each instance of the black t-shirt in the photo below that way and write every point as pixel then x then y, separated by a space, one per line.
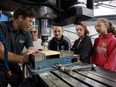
pixel 15 39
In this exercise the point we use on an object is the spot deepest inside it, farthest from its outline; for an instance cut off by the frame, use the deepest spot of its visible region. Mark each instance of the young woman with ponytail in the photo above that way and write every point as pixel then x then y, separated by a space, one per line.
pixel 104 49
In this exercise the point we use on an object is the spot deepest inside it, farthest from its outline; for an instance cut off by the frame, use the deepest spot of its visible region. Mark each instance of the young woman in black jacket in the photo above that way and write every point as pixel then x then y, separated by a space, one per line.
pixel 83 45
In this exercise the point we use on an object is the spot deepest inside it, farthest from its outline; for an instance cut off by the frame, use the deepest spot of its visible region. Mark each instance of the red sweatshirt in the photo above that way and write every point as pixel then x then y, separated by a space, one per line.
pixel 104 53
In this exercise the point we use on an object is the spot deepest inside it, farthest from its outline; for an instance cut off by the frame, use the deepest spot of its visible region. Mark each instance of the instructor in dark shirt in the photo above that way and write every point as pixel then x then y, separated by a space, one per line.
pixel 17 36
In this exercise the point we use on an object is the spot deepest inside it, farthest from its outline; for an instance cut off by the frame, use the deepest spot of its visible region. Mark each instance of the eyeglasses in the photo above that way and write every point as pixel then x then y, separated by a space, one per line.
pixel 97 26
pixel 33 31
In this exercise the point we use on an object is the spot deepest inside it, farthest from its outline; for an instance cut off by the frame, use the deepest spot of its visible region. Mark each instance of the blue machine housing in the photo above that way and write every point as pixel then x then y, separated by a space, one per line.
pixel 38 65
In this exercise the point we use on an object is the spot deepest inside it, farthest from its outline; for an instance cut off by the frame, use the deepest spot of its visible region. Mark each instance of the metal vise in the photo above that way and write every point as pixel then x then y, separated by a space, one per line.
pixel 43 62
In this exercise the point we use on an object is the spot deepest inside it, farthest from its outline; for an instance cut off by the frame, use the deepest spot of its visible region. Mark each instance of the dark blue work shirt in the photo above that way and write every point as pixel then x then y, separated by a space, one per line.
pixel 15 39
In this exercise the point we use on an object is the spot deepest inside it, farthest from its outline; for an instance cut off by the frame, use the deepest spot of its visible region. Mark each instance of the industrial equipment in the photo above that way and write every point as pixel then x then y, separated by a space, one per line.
pixel 76 78
pixel 61 69
pixel 45 61
pixel 66 12
pixel 67 71
pixel 53 12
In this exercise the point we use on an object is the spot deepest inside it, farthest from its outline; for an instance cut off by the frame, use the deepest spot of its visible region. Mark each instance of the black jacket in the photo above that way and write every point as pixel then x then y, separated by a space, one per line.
pixel 83 49
pixel 63 44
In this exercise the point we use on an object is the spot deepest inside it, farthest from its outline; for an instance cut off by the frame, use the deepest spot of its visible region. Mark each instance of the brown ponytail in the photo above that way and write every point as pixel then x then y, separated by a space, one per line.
pixel 110 27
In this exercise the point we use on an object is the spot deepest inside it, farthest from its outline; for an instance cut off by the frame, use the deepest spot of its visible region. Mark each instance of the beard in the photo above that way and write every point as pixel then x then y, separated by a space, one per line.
pixel 21 26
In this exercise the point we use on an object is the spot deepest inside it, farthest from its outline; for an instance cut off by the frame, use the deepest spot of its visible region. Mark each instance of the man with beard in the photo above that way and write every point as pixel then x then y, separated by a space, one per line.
pixel 17 36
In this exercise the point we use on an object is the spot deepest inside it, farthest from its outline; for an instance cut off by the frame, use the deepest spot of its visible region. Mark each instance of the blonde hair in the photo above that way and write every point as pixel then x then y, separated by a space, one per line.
pixel 32 28
pixel 110 27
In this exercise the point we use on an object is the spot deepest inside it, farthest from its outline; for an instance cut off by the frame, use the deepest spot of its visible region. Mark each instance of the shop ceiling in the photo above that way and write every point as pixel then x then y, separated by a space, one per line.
pixel 101 7
pixel 104 7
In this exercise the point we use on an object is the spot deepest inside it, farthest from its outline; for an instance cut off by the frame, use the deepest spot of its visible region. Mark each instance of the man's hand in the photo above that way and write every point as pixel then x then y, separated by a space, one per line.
pixel 17 58
pixel 27 53
pixel 30 52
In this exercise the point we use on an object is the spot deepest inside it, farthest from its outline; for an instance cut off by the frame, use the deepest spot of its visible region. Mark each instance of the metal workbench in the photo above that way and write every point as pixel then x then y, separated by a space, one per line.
pixel 83 78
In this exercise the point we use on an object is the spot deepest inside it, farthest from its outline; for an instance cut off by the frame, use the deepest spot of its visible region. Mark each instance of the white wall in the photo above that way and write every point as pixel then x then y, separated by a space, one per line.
pixel 73 37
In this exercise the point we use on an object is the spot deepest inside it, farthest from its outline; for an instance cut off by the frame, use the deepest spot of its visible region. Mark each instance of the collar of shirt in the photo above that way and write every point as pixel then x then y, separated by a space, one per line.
pixel 11 27
pixel 61 39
